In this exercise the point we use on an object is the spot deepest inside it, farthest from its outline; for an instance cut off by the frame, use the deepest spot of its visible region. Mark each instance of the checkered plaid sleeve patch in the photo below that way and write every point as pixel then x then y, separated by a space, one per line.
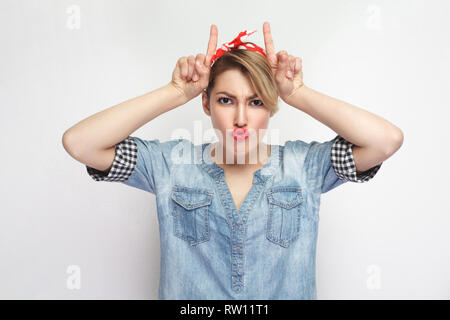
pixel 344 163
pixel 123 164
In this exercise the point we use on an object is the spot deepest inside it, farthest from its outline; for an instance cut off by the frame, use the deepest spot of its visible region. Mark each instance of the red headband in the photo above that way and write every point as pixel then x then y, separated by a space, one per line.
pixel 237 43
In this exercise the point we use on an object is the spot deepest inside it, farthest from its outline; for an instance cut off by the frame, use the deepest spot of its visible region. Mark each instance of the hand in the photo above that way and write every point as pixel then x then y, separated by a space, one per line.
pixel 191 75
pixel 286 69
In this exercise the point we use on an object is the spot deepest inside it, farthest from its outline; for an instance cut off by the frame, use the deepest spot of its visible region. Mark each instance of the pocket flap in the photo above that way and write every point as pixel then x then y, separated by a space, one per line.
pixel 191 198
pixel 285 196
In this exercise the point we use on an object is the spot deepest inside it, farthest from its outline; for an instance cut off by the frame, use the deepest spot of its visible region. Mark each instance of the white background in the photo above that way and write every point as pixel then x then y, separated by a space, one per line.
pixel 385 239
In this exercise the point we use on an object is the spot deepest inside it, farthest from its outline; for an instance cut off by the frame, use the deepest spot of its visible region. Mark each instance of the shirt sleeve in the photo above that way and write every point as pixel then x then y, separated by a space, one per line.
pixel 142 164
pixel 123 164
pixel 332 162
pixel 344 164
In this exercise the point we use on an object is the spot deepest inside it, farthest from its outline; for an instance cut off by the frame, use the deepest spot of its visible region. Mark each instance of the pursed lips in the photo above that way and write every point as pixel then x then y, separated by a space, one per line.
pixel 240 133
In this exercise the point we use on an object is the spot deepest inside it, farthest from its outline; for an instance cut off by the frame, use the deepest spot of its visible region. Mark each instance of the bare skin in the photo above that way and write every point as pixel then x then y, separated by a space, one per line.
pixel 236 110
pixel 228 113
pixel 239 177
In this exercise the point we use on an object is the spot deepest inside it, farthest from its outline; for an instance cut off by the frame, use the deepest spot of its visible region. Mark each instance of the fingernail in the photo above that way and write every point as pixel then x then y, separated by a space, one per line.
pixel 289 74
pixel 195 77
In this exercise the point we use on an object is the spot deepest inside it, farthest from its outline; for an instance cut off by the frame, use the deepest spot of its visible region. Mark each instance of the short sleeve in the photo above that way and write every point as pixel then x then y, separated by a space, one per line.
pixel 123 164
pixel 344 163
pixel 142 164
pixel 320 170
pixel 333 164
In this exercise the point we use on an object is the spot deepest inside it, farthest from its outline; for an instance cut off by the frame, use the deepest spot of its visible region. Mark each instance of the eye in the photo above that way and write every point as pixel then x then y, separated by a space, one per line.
pixel 258 105
pixel 220 99
pixel 259 101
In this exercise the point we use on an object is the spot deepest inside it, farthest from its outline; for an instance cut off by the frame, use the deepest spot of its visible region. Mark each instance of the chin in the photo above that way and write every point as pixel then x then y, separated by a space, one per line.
pixel 244 147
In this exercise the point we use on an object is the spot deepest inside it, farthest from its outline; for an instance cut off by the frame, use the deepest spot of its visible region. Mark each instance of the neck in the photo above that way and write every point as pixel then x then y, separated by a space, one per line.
pixel 261 156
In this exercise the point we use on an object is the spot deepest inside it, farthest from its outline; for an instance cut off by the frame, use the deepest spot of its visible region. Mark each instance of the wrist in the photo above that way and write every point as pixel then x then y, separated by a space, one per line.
pixel 178 95
pixel 295 99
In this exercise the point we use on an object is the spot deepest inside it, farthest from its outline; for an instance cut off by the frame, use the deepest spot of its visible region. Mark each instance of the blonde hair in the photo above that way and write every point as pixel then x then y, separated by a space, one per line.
pixel 256 67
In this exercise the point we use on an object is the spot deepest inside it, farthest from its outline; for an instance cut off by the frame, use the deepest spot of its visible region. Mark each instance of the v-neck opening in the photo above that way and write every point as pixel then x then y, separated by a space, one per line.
pixel 268 162
pixel 260 176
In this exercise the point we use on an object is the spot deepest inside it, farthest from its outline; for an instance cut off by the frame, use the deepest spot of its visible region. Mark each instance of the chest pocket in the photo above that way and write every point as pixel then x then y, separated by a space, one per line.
pixel 190 213
pixel 283 222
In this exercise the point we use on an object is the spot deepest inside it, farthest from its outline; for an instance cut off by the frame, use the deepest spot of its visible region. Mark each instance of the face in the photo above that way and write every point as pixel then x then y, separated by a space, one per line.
pixel 234 104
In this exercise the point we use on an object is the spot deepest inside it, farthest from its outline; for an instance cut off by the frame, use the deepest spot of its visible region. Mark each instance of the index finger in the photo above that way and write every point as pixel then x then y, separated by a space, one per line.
pixel 268 42
pixel 212 44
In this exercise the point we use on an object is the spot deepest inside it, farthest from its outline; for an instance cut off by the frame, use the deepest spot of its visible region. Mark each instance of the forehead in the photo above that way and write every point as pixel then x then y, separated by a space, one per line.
pixel 233 81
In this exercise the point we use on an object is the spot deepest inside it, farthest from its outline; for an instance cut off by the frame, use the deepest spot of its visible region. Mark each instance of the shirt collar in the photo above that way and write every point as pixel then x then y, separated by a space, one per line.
pixel 262 174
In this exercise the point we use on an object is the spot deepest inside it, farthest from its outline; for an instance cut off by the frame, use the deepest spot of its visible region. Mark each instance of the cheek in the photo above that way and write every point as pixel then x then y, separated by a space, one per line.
pixel 220 122
pixel 259 120
pixel 217 121
pixel 221 119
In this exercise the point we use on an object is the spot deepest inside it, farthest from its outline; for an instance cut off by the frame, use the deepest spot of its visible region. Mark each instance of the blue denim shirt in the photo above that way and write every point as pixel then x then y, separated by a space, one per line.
pixel 211 250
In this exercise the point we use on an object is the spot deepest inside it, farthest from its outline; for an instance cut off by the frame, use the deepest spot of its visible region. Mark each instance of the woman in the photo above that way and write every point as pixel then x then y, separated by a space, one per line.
pixel 234 225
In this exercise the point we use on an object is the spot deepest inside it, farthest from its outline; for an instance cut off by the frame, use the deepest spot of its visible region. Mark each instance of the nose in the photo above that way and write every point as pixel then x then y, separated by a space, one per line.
pixel 241 118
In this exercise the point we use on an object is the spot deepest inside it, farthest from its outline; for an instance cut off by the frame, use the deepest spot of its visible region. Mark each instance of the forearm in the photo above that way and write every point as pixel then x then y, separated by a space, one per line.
pixel 110 126
pixel 354 124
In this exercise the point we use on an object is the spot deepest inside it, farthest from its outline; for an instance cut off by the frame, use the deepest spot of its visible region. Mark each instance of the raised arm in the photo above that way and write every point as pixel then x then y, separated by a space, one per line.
pixel 106 128
pixel 92 140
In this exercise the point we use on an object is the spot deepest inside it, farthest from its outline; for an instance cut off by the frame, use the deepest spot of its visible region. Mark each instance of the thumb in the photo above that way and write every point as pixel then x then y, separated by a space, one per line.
pixel 282 66
pixel 200 67
pixel 201 63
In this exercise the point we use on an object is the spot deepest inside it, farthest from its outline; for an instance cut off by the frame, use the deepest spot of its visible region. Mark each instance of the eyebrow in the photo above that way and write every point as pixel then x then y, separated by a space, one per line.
pixel 230 95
